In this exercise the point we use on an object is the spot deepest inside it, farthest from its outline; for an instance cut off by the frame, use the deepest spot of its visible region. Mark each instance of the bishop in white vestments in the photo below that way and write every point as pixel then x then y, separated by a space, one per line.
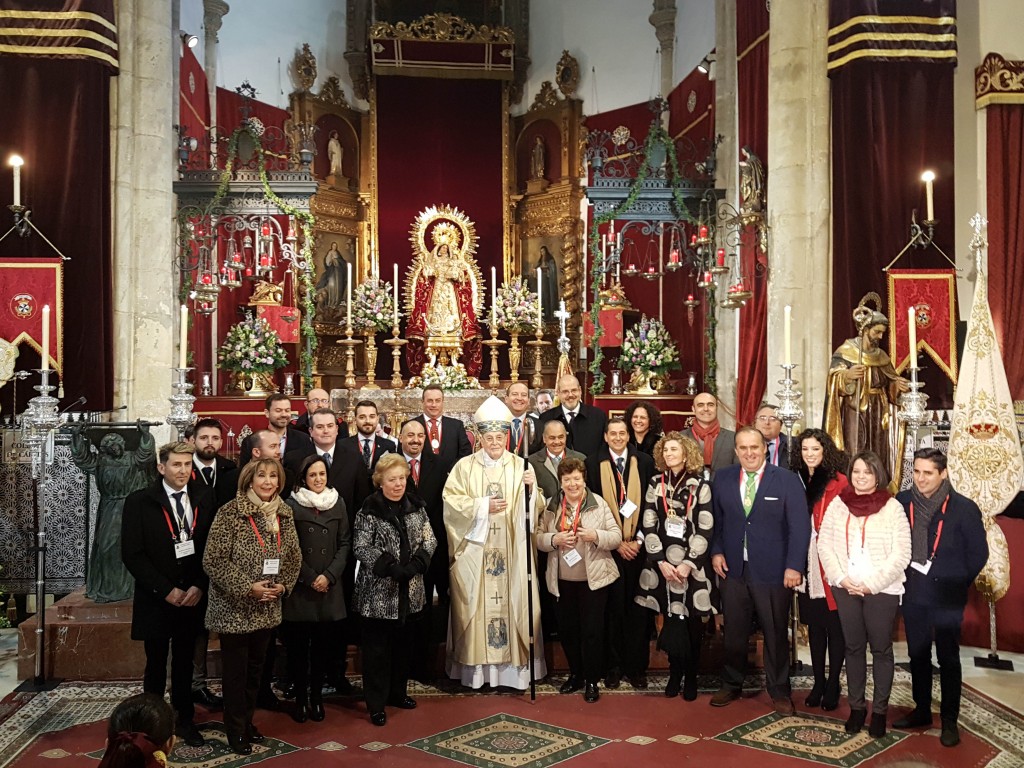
pixel 485 517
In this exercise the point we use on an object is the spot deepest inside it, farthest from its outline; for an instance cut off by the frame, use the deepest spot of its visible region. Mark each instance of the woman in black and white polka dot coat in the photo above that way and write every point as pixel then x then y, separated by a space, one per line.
pixel 677 580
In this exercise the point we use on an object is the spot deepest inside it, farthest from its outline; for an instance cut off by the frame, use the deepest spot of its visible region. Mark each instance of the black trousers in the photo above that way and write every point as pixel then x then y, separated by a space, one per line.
pixel 741 601
pixel 581 612
pixel 923 623
pixel 386 651
pixel 181 645
pixel 242 659
pixel 436 576
pixel 309 645
pixel 868 620
pixel 199 671
pixel 628 625
pixel 825 637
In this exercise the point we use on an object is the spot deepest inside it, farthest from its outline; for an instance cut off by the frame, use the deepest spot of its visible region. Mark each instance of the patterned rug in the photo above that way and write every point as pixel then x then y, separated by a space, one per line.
pixel 453 726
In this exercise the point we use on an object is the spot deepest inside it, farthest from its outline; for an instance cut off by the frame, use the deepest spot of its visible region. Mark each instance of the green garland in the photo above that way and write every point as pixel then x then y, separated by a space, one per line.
pixel 711 351
pixel 657 134
pixel 305 221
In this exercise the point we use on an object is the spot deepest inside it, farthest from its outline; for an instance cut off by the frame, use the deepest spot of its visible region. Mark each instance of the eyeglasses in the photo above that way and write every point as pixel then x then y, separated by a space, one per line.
pixel 767 419
pixel 319 400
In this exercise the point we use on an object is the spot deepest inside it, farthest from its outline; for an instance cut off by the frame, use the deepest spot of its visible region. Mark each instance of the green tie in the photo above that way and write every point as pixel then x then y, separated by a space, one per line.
pixel 749 492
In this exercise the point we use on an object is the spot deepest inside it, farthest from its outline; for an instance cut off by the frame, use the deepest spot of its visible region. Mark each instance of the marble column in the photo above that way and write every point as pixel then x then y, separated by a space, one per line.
pixel 213 18
pixel 143 149
pixel 663 19
pixel 727 178
pixel 799 198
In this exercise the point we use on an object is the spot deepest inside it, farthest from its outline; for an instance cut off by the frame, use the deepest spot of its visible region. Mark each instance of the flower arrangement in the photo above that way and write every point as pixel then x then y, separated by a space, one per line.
pixel 451 378
pixel 252 346
pixel 373 308
pixel 515 307
pixel 649 348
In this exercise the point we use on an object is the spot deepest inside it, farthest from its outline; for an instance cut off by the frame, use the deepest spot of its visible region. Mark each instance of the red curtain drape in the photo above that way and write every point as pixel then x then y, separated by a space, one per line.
pixel 56 117
pixel 1005 143
pixel 752 97
pixel 890 122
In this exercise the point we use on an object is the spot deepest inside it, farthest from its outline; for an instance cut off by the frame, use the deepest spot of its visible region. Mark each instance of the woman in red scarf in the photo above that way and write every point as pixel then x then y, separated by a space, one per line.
pixel 818 462
pixel 864 547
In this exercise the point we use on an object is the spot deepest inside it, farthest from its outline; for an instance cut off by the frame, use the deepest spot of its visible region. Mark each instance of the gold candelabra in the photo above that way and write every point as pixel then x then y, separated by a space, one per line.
pixel 515 355
pixel 396 345
pixel 350 345
pixel 537 382
pixel 495 344
pixel 371 359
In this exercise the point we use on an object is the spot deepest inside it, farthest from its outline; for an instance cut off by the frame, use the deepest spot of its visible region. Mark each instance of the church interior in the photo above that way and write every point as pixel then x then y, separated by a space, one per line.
pixel 207 204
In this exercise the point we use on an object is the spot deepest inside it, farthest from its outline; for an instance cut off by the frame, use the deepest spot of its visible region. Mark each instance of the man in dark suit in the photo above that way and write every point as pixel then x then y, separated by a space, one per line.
pixel 584 423
pixel 366 442
pixel 163 535
pixel 717 443
pixel 263 444
pixel 620 474
pixel 769 425
pixel 317 398
pixel 279 413
pixel 759 551
pixel 524 432
pixel 948 550
pixel 446 437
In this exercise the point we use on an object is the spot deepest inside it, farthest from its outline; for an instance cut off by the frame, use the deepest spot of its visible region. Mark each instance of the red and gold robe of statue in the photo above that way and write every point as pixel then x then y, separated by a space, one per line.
pixel 469 328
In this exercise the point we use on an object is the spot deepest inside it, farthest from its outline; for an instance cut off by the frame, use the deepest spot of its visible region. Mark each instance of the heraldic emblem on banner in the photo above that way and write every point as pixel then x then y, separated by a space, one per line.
pixel 932 294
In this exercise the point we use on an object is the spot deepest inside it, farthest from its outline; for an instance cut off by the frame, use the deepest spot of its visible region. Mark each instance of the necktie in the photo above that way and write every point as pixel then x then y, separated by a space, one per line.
pixel 415 471
pixel 621 464
pixel 569 416
pixel 327 459
pixel 555 460
pixel 208 475
pixel 749 492
pixel 516 426
pixel 771 452
pixel 435 443
pixel 179 509
pixel 367 456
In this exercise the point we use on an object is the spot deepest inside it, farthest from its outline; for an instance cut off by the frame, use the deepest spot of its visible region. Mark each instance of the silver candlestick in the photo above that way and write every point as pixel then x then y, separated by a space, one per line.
pixel 789 413
pixel 912 405
pixel 181 415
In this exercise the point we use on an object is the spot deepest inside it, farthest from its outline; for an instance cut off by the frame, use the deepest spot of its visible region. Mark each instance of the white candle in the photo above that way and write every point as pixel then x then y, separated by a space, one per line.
pixel 183 338
pixel 348 292
pixel 396 295
pixel 928 177
pixel 16 163
pixel 540 309
pixel 912 330
pixel 788 335
pixel 494 297
pixel 46 333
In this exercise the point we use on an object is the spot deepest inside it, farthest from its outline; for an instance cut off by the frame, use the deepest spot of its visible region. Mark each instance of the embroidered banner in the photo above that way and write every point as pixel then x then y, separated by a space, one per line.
pixel 25 286
pixel 932 293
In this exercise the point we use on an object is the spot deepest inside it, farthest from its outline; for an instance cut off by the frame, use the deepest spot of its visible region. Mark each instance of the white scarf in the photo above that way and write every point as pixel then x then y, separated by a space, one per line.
pixel 321 502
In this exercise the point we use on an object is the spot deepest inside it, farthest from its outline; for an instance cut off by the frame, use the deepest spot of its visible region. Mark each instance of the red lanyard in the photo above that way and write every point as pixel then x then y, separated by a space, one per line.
pixel 167 517
pixel 938 532
pixel 863 533
pixel 669 512
pixel 259 538
pixel 576 516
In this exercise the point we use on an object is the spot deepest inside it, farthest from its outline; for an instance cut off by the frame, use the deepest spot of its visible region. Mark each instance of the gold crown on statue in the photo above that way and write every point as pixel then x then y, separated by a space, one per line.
pixel 445 233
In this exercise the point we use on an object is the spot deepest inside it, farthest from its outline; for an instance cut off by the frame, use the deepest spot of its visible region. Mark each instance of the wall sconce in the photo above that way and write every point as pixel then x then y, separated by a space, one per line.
pixel 188 40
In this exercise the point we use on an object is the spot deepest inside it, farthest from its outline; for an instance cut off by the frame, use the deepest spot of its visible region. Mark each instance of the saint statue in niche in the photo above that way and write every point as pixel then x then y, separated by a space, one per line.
pixel 550 285
pixel 335 153
pixel 537 159
pixel 443 292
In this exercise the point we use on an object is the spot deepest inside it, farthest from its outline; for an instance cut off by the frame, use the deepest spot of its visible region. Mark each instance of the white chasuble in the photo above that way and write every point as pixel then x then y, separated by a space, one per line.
pixel 488 634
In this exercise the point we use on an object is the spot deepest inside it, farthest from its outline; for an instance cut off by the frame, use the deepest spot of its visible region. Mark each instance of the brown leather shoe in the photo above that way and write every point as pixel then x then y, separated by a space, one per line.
pixel 723 697
pixel 784 707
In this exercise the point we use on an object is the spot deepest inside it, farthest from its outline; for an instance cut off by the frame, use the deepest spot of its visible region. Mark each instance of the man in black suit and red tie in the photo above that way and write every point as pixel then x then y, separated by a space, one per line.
pixel 366 442
pixel 583 423
pixel 163 536
pixel 759 551
pixel 446 437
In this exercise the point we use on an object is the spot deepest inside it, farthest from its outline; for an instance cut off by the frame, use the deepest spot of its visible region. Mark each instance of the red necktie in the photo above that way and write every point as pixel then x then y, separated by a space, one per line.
pixel 435 442
pixel 416 471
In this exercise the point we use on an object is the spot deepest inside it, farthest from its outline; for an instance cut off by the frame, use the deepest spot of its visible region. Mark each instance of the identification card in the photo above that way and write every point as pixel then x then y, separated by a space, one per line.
pixel 675 527
pixel 922 567
pixel 572 557
pixel 184 549
pixel 271 566
pixel 627 509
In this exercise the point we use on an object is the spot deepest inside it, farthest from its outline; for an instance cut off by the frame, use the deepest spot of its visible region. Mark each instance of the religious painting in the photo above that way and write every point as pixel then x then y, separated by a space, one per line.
pixel 332 255
pixel 545 252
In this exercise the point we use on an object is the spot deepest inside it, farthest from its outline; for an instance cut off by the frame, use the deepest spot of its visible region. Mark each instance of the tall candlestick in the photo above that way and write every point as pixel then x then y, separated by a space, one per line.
pixel 348 292
pixel 46 337
pixel 928 177
pixel 183 338
pixel 16 163
pixel 912 330
pixel 396 295
pixel 788 335
pixel 540 311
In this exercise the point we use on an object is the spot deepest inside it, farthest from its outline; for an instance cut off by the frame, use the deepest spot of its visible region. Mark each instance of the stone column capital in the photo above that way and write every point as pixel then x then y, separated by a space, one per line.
pixel 213 16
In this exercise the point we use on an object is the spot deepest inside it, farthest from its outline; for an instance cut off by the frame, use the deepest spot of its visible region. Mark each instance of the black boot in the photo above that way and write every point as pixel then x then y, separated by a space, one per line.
pixel 856 721
pixel 301 711
pixel 672 689
pixel 877 727
pixel 814 697
pixel 316 703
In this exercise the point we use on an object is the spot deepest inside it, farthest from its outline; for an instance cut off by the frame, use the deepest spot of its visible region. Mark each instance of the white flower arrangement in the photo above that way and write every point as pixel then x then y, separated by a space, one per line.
pixel 252 346
pixel 451 378
pixel 648 347
pixel 372 306
pixel 515 307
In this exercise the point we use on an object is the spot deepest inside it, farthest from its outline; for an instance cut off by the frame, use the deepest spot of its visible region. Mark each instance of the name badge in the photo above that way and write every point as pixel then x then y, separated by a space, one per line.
pixel 572 557
pixel 922 567
pixel 627 509
pixel 271 566
pixel 184 549
pixel 859 566
pixel 675 527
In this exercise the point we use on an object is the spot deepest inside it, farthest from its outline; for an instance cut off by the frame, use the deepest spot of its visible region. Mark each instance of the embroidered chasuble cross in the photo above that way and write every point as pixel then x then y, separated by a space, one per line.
pixel 494 529
pixel 496 598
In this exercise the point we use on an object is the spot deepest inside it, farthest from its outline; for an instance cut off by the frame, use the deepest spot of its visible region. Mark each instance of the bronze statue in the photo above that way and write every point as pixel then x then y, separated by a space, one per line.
pixel 751 182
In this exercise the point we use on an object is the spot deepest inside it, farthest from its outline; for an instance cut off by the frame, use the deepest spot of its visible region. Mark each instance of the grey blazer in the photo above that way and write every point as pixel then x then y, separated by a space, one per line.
pixel 725 449
pixel 547 473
